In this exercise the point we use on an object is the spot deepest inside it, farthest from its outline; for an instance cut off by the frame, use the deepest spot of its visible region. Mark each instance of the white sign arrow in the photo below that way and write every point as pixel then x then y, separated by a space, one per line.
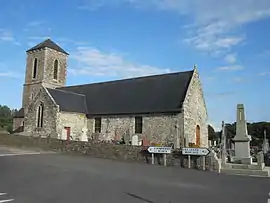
pixel 160 150
pixel 195 151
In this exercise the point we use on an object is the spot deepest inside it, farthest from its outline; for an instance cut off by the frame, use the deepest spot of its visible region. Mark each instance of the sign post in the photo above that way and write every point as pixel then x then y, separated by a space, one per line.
pixel 160 150
pixel 197 152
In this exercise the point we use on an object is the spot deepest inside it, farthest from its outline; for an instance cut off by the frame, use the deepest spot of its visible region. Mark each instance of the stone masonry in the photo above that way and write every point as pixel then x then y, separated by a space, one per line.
pixel 195 112
pixel 76 122
pixel 46 58
pixel 159 129
pixel 49 118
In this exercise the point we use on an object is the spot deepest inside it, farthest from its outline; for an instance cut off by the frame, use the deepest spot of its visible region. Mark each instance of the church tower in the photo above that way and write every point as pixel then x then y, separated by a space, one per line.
pixel 46 66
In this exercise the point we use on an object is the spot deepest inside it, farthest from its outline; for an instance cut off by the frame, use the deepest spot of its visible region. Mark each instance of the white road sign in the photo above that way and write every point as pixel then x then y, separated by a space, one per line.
pixel 195 151
pixel 161 150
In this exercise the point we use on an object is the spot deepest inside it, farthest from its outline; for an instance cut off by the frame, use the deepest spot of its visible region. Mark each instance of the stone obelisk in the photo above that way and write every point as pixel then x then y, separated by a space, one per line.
pixel 242 139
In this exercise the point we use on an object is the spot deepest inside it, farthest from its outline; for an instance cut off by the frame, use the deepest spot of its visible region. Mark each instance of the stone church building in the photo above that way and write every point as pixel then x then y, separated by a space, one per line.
pixel 166 109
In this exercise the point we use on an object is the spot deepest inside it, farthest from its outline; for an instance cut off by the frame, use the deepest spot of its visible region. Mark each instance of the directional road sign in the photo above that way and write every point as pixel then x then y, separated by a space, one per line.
pixel 195 151
pixel 160 150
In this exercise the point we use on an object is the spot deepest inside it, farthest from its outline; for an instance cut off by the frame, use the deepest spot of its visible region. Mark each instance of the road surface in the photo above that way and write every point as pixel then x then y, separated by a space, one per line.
pixel 49 177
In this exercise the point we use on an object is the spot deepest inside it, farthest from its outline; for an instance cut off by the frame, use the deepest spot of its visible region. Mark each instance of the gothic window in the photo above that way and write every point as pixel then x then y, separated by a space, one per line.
pixel 55 69
pixel 138 124
pixel 35 67
pixel 40 112
pixel 97 125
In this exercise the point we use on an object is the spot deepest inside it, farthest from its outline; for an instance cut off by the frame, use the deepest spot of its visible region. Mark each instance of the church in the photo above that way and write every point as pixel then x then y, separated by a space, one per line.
pixel 166 109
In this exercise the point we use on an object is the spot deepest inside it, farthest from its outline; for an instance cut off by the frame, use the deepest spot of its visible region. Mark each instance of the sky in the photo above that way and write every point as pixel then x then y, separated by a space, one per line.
pixel 228 40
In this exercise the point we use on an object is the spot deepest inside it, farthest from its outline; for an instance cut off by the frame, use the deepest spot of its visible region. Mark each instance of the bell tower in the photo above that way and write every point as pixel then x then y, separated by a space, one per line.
pixel 46 65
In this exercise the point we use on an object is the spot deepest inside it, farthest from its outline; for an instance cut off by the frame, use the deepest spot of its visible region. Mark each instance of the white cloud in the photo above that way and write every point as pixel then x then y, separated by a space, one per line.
pixel 264 73
pixel 10 74
pixel 230 68
pixel 34 23
pixel 230 58
pixel 92 61
pixel 6 35
pixel 215 24
pixel 238 79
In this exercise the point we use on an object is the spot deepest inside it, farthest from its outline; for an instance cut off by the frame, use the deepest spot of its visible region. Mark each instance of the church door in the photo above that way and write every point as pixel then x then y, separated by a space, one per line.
pixel 198 136
pixel 67 133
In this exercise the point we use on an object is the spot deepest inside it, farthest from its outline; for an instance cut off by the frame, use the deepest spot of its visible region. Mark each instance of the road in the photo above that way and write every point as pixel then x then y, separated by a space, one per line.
pixel 51 177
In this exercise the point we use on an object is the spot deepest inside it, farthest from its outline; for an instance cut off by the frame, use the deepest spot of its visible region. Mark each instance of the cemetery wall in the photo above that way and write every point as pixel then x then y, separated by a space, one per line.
pixel 105 150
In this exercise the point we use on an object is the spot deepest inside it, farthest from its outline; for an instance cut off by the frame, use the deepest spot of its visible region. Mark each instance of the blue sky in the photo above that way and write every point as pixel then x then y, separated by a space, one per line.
pixel 112 39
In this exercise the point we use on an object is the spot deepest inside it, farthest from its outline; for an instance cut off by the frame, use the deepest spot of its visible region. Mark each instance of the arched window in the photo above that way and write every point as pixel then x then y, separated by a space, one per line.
pixel 55 70
pixel 40 112
pixel 35 67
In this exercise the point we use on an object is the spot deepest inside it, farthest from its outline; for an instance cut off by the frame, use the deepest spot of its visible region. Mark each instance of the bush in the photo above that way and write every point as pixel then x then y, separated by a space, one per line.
pixel 9 128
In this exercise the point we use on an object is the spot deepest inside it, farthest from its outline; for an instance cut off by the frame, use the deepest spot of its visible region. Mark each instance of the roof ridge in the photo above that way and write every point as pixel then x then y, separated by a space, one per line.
pixel 128 79
pixel 60 90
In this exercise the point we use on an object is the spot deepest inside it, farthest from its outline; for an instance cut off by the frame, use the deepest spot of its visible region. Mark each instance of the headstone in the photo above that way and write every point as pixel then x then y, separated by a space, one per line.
pixel 260 160
pixel 265 144
pixel 135 140
pixel 84 137
pixel 242 139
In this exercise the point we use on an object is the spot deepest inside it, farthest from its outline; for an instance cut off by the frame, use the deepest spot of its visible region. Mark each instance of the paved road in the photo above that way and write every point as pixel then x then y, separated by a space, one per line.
pixel 45 178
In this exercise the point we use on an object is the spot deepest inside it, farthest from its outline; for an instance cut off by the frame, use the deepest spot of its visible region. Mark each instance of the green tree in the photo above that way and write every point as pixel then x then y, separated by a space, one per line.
pixel 6 115
pixel 211 133
pixel 255 130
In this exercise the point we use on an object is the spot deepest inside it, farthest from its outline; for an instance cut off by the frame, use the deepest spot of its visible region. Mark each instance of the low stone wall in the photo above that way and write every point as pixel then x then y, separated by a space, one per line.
pixel 107 150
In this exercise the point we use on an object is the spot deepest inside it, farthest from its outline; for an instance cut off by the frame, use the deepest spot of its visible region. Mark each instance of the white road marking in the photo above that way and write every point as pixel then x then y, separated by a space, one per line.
pixel 20 154
pixel 7 200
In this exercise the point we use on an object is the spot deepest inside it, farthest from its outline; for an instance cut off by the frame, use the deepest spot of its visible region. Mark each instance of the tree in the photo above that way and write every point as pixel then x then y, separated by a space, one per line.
pixel 6 115
pixel 255 130
pixel 211 133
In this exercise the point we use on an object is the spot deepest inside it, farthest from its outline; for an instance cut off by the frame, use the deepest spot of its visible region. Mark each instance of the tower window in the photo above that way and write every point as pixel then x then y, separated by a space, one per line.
pixel 55 70
pixel 35 66
pixel 138 124
pixel 40 112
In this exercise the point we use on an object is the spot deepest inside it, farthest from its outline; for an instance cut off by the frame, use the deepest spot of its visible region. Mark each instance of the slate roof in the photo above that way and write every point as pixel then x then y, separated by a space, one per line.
pixel 69 101
pixel 50 44
pixel 19 114
pixel 152 94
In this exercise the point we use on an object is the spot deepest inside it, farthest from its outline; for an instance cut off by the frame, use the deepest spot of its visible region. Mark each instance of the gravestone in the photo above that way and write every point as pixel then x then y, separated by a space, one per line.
pixel 242 139
pixel 84 137
pixel 135 140
pixel 265 144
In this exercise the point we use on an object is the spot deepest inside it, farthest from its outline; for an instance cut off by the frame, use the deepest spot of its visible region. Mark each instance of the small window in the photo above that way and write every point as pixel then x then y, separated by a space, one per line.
pixel 97 125
pixel 55 70
pixel 138 124
pixel 40 112
pixel 35 66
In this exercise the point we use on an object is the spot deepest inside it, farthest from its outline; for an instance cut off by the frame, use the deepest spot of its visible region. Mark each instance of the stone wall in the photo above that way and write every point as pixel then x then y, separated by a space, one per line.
pixel 76 121
pixel 156 128
pixel 195 112
pixel 49 116
pixel 17 122
pixel 108 151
